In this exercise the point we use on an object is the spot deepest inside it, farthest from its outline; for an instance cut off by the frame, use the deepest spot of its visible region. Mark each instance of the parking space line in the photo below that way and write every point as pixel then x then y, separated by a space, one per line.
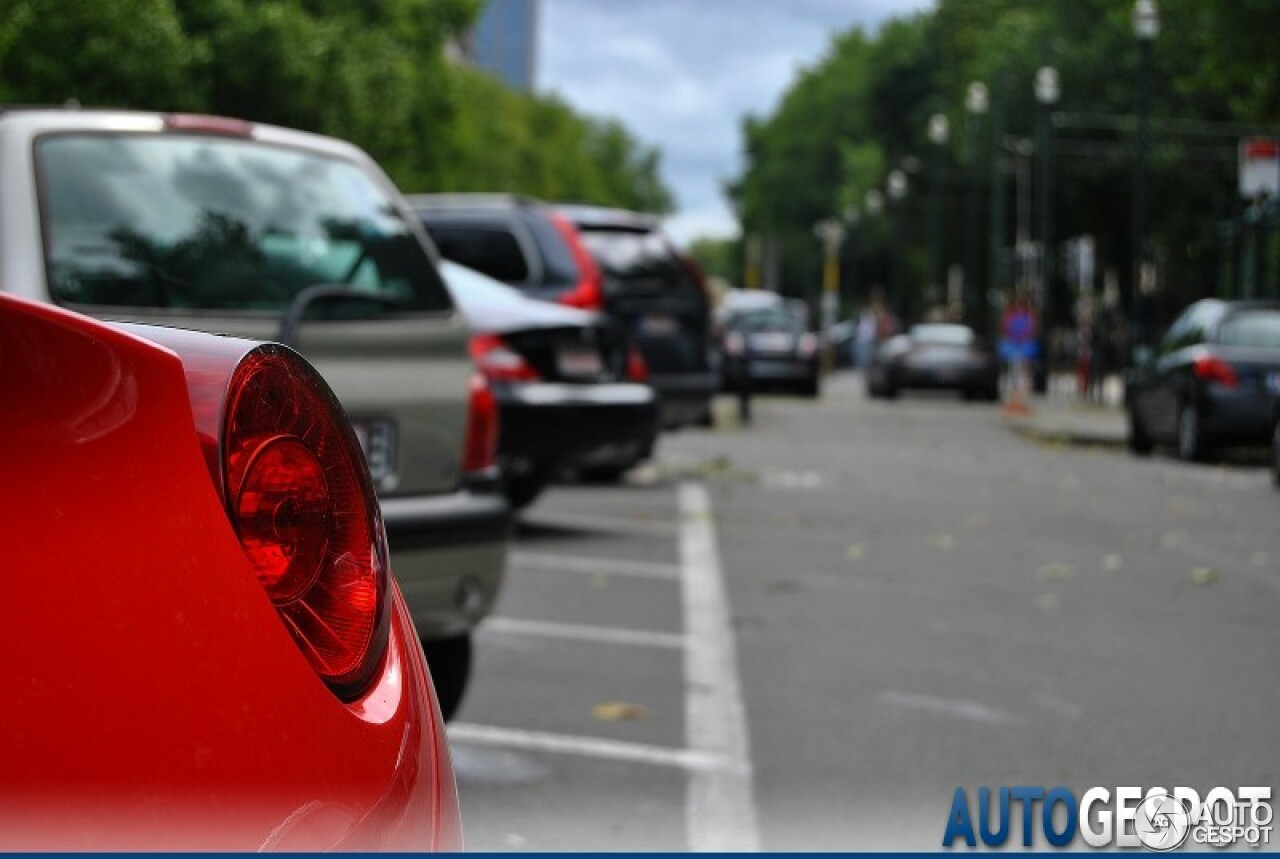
pixel 590 747
pixel 595 566
pixel 577 521
pixel 579 632
pixel 720 810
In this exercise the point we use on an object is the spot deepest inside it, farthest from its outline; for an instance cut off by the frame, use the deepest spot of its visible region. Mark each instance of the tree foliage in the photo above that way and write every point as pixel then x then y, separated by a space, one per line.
pixel 374 72
pixel 862 111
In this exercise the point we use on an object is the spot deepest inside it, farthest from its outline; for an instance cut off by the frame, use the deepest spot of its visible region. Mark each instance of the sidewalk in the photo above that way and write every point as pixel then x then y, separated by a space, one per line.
pixel 1060 417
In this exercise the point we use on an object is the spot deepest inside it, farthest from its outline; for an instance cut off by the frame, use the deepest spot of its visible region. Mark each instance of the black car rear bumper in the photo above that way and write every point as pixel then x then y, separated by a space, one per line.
pixel 684 398
pixel 560 425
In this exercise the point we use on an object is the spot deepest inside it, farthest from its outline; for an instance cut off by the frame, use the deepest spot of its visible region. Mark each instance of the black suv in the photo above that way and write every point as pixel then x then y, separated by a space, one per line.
pixel 613 261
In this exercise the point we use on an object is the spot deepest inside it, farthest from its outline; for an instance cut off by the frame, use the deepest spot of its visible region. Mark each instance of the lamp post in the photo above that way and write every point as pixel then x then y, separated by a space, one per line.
pixel 975 105
pixel 896 189
pixel 831 232
pixel 1146 27
pixel 939 131
pixel 1047 91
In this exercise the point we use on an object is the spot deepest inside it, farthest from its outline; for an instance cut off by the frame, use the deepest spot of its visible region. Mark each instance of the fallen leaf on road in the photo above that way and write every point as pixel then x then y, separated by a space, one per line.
pixel 1048 602
pixel 945 542
pixel 856 552
pixel 1112 563
pixel 1204 576
pixel 1054 572
pixel 619 711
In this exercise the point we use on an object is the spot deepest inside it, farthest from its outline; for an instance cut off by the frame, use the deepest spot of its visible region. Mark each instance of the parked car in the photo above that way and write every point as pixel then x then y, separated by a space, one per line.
pixel 937 356
pixel 605 260
pixel 560 377
pixel 228 226
pixel 207 650
pixel 1275 441
pixel 1212 381
pixel 775 347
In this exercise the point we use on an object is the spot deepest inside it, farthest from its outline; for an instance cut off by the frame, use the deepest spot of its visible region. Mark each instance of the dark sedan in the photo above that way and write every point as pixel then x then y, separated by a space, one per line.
pixel 774 347
pixel 1212 381
pixel 937 356
pixel 569 393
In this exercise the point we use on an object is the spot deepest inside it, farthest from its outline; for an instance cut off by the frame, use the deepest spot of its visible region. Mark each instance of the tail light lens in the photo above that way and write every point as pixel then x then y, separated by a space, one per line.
pixel 807 344
pixel 301 501
pixel 734 343
pixel 637 369
pixel 1214 370
pixel 588 293
pixel 481 452
pixel 498 361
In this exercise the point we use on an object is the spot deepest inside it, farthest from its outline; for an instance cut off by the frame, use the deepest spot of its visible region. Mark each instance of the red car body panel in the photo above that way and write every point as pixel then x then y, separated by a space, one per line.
pixel 155 699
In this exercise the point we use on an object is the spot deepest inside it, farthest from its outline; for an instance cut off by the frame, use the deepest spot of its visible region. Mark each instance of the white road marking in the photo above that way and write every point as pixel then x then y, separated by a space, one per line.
pixel 595 566
pixel 960 708
pixel 579 632
pixel 581 521
pixel 720 812
pixel 590 747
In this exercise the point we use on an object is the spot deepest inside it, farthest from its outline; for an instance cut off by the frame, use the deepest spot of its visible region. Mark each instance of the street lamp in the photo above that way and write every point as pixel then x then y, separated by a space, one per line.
pixel 896 188
pixel 1146 27
pixel 1047 91
pixel 831 231
pixel 975 104
pixel 939 131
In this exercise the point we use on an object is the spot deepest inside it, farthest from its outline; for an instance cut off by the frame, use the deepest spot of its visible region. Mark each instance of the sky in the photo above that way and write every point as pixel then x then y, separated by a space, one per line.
pixel 681 74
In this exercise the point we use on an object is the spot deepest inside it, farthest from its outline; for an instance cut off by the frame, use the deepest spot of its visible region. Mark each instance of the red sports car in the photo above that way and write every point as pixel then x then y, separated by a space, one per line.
pixel 204 646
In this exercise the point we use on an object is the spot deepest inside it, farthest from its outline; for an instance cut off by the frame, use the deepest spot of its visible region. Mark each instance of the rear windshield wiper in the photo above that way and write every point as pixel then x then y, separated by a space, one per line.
pixel 329 293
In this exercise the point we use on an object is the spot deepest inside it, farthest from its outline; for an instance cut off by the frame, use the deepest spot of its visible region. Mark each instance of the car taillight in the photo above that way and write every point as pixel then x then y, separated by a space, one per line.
pixel 481 451
pixel 637 369
pixel 734 343
pixel 807 344
pixel 301 502
pixel 498 361
pixel 1210 369
pixel 588 293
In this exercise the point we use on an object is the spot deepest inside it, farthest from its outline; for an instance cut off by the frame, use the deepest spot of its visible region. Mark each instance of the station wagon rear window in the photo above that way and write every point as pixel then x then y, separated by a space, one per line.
pixel 212 224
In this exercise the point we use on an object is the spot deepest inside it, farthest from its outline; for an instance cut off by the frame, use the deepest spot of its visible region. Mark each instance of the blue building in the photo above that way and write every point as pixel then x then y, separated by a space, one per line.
pixel 505 41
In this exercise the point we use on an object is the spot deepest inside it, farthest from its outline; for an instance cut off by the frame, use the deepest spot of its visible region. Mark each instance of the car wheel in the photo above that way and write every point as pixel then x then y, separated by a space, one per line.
pixel 603 473
pixel 1139 442
pixel 1190 437
pixel 891 392
pixel 1275 453
pixel 521 490
pixel 449 660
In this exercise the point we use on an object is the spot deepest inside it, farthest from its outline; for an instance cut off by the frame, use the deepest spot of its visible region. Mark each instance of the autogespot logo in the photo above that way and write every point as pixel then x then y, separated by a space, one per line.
pixel 1157 819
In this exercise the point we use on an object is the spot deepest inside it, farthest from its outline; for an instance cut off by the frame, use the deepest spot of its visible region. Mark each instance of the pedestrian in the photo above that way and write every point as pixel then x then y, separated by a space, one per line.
pixel 864 338
pixel 1019 345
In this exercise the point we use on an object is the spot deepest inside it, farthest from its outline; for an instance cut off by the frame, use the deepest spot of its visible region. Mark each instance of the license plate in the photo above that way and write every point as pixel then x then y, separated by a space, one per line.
pixel 378 441
pixel 772 341
pixel 579 362
pixel 658 325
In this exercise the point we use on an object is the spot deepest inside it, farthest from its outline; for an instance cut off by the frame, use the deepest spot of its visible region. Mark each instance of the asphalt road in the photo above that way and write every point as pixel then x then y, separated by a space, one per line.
pixel 805 634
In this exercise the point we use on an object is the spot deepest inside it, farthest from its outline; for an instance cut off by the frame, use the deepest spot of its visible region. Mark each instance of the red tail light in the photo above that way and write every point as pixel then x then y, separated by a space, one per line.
pixel 481 452
pixel 1215 370
pixel 303 506
pixel 588 294
pixel 807 344
pixel 637 369
pixel 498 361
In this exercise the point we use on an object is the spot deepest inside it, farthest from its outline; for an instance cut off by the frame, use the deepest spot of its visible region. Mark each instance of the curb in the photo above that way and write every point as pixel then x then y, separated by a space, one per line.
pixel 1070 438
